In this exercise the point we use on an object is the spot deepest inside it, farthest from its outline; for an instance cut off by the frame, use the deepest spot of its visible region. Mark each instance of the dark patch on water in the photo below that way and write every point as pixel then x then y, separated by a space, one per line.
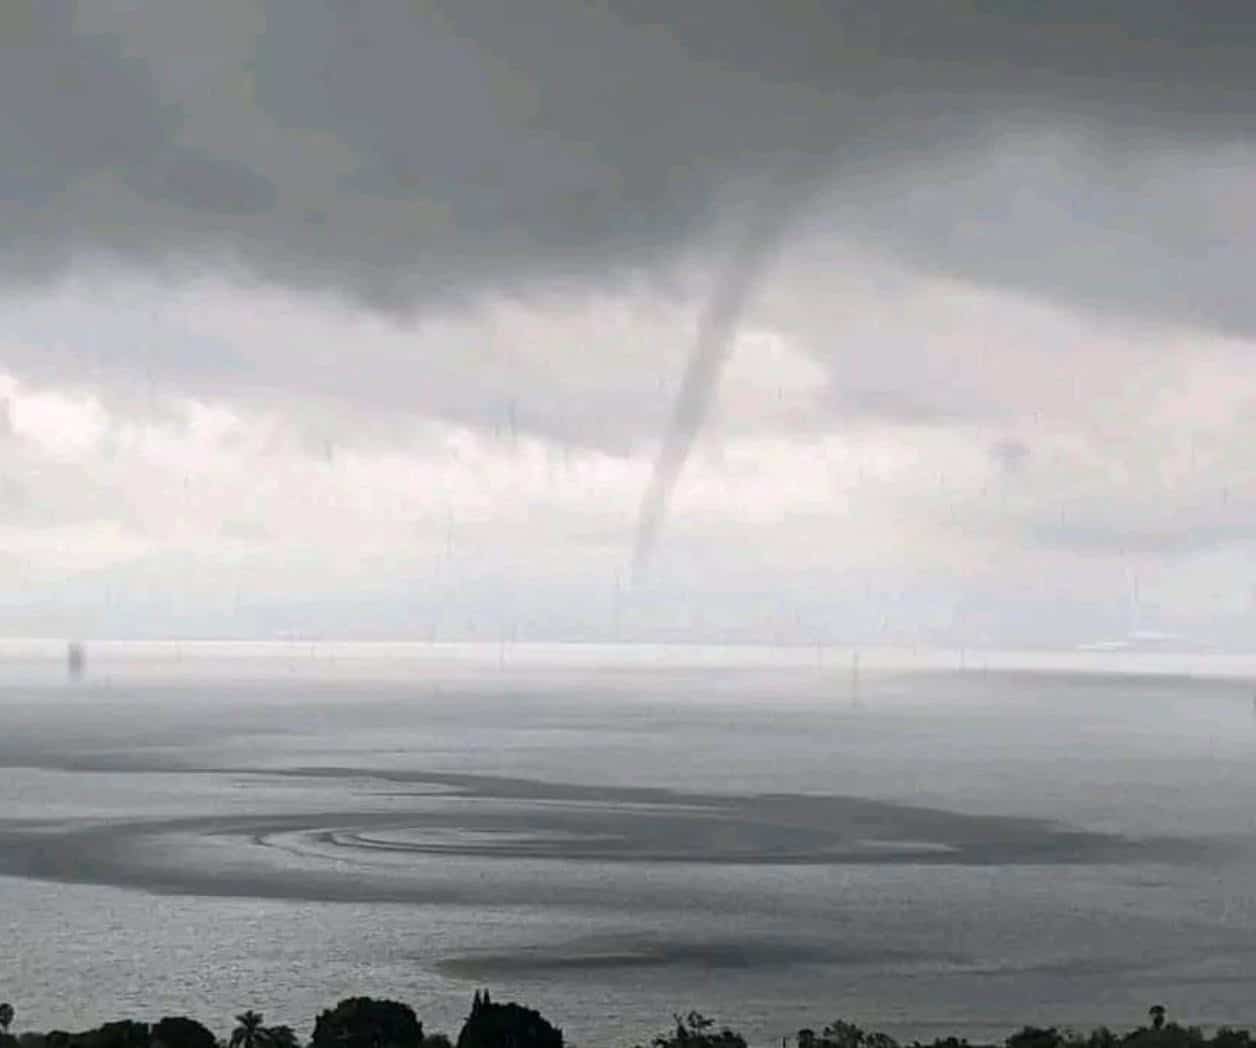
pixel 616 953
pixel 371 855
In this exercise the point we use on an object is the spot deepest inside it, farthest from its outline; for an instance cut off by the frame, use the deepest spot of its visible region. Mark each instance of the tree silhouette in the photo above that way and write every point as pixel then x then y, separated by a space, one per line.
pixel 362 1022
pixel 179 1032
pixel 126 1033
pixel 1101 1038
pixel 250 1033
pixel 1036 1037
pixel 841 1034
pixel 493 1025
pixel 695 1030
pixel 281 1037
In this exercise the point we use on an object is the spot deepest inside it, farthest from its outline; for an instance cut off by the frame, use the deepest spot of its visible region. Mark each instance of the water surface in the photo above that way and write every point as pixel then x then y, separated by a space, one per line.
pixel 617 839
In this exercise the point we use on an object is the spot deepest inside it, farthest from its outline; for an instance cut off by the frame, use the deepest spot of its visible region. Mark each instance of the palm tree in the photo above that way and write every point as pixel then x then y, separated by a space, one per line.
pixel 250 1033
pixel 6 1016
pixel 1156 1011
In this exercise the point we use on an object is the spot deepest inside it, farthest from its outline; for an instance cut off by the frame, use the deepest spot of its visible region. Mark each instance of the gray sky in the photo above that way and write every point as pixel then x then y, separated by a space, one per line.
pixel 367 320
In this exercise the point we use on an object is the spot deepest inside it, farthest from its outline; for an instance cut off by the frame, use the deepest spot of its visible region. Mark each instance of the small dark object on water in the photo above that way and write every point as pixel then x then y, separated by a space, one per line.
pixel 75 658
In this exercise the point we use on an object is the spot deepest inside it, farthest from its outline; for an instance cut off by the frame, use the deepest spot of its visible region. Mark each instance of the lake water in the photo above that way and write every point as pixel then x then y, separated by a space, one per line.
pixel 616 835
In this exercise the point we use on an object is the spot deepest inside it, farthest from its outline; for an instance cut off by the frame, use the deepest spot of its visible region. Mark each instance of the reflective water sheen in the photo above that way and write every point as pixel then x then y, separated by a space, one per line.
pixel 613 840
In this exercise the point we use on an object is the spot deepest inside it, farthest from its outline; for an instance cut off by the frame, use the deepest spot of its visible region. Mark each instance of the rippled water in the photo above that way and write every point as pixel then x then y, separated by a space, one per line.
pixel 955 852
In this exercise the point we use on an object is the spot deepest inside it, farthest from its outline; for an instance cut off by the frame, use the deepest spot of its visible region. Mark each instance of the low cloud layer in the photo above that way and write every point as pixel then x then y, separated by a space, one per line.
pixel 920 487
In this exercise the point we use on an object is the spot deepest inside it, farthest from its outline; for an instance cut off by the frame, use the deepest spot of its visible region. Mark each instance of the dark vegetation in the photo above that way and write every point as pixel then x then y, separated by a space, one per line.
pixel 363 1022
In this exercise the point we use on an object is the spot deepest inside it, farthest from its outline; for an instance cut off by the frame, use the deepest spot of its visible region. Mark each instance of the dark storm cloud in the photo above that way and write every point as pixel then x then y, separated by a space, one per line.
pixel 399 152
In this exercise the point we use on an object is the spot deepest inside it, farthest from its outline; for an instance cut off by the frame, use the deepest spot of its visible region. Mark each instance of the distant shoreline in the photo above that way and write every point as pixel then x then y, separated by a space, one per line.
pixel 581 655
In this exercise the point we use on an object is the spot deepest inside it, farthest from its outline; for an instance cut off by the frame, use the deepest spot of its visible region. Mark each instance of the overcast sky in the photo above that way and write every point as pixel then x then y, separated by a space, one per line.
pixel 368 320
